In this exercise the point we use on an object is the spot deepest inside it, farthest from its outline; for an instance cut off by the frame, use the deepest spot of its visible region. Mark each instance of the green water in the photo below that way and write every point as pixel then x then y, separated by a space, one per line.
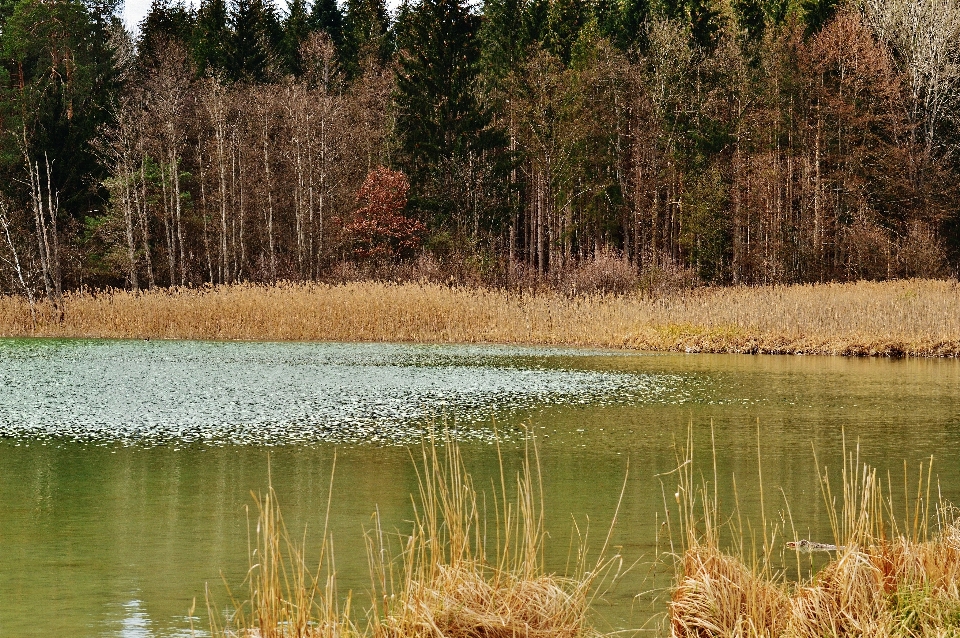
pixel 126 467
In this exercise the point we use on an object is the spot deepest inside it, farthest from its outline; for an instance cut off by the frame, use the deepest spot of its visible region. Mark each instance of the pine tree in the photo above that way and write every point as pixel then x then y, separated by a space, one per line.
pixel 254 41
pixel 705 22
pixel 67 86
pixel 327 17
pixel 211 37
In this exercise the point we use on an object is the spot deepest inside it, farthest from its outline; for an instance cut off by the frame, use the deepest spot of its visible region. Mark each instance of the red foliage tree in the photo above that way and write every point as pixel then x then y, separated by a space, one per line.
pixel 379 229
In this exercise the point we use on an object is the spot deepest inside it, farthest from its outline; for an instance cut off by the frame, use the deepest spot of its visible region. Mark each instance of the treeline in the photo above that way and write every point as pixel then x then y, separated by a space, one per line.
pixel 739 141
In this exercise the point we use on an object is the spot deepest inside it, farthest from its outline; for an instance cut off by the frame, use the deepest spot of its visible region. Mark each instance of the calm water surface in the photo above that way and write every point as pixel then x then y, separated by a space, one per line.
pixel 126 466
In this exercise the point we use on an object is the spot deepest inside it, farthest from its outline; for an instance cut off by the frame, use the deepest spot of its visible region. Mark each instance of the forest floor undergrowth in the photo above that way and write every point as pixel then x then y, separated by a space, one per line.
pixel 916 318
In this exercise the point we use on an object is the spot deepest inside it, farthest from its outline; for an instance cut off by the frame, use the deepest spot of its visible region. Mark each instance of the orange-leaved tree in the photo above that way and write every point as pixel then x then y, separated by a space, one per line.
pixel 379 229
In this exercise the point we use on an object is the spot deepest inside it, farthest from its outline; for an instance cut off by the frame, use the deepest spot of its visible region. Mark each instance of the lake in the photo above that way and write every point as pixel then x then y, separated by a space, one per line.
pixel 126 467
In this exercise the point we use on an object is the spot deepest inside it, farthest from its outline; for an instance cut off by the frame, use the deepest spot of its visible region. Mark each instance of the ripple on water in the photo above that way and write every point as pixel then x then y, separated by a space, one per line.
pixel 260 393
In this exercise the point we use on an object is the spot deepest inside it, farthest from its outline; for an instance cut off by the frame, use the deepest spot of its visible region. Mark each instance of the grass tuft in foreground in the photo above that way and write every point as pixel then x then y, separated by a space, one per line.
pixel 455 575
pixel 890 577
pixel 285 598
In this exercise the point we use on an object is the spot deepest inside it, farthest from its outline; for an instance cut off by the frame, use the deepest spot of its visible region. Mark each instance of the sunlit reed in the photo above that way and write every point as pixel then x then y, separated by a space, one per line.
pixel 895 570
pixel 897 318
pixel 460 572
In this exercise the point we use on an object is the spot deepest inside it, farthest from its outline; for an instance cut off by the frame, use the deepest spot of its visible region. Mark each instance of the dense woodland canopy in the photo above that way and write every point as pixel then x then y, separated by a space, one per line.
pixel 735 141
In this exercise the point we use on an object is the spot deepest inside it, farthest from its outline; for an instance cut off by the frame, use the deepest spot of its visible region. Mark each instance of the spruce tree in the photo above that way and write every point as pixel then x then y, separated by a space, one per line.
pixel 636 17
pixel 751 20
pixel 366 33
pixel 439 122
pixel 705 22
pixel 296 27
pixel 816 13
pixel 327 17
pixel 65 92
pixel 502 40
pixel 254 41
pixel 536 21
pixel 166 22
pixel 566 18
pixel 211 37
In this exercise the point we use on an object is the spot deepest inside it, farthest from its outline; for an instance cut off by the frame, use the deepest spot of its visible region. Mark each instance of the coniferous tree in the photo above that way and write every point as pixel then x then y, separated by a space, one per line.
pixel 66 85
pixel 816 13
pixel 366 33
pixel 705 22
pixel 327 17
pixel 751 20
pixel 536 20
pixel 254 42
pixel 211 37
pixel 566 18
pixel 296 28
pixel 166 21
pixel 503 42
pixel 632 31
pixel 441 126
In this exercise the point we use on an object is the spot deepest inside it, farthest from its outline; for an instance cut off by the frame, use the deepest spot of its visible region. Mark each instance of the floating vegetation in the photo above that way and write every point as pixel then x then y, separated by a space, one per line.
pixel 270 393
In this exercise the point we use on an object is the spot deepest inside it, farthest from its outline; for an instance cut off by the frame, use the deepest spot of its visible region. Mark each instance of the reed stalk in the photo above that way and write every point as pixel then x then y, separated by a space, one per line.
pixel 461 575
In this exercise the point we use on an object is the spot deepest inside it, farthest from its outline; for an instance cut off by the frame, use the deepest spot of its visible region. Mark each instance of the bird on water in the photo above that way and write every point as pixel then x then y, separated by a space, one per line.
pixel 804 546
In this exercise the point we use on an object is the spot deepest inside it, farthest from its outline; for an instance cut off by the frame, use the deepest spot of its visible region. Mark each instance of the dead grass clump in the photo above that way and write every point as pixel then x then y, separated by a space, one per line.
pixel 449 579
pixel 468 601
pixel 461 576
pixel 718 595
pixel 892 575
pixel 845 599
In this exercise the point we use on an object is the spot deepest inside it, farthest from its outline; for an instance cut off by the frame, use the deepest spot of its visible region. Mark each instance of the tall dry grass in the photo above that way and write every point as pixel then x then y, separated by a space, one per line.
pixel 285 598
pixel 898 318
pixel 462 575
pixel 461 572
pixel 892 576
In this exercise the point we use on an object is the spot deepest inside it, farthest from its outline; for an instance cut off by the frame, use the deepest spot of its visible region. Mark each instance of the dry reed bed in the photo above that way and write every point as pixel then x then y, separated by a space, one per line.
pixel 888 588
pixel 890 577
pixel 899 318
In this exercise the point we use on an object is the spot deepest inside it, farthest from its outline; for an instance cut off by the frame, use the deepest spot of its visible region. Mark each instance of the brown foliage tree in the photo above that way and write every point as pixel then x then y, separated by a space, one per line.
pixel 379 230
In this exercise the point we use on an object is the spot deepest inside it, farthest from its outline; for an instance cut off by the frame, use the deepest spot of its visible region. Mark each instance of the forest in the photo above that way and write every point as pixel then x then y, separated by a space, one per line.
pixel 722 141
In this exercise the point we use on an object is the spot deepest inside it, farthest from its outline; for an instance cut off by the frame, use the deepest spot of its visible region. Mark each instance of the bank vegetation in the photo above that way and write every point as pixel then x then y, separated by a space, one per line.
pixel 894 570
pixel 902 318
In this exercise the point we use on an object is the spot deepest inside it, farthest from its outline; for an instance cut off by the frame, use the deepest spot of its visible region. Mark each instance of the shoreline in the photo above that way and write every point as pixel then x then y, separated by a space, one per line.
pixel 906 318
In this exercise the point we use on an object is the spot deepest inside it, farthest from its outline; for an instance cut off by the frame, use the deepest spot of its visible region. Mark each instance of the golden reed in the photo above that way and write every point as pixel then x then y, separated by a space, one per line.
pixel 897 318
pixel 894 572
pixel 458 573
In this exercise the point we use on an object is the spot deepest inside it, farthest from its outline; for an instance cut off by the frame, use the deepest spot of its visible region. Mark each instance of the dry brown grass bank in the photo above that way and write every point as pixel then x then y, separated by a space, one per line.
pixel 900 318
